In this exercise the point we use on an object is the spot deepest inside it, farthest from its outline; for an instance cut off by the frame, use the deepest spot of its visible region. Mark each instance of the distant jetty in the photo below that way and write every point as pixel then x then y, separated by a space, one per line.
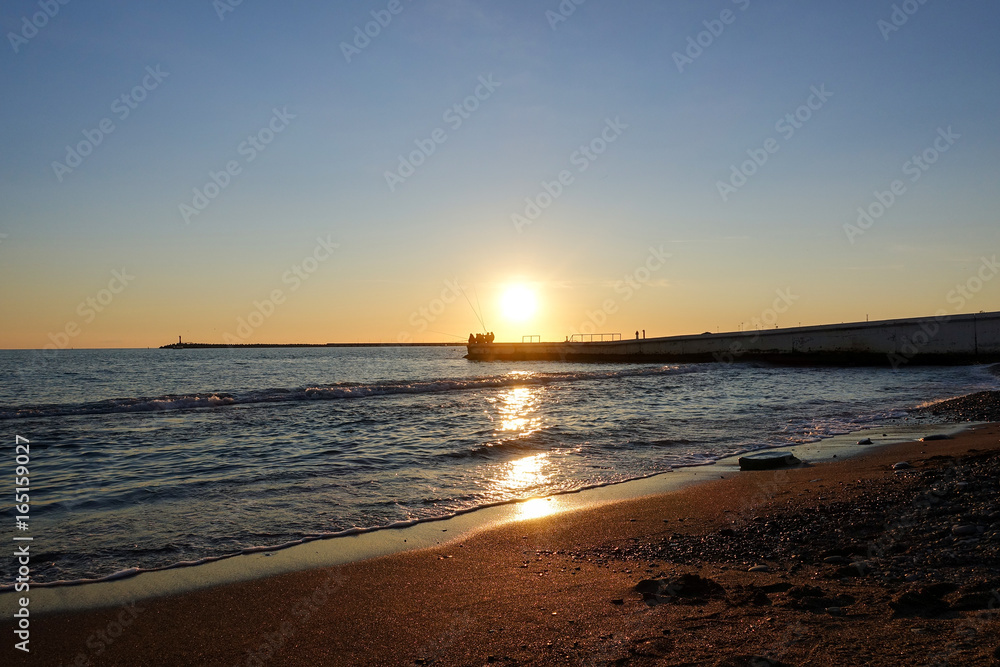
pixel 945 339
pixel 209 346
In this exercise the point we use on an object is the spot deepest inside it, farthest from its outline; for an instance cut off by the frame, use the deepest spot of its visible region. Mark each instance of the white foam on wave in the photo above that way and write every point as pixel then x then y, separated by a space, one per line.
pixel 812 430
pixel 196 401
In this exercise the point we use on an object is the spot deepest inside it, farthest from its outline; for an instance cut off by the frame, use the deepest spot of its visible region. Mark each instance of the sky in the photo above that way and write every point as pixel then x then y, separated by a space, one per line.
pixel 413 171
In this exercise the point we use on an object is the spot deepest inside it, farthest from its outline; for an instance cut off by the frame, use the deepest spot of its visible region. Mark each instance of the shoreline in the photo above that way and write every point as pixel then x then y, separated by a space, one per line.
pixel 546 590
pixel 359 544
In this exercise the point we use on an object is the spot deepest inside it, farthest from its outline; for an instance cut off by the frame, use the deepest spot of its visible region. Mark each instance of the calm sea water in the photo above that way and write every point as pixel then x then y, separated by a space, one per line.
pixel 147 458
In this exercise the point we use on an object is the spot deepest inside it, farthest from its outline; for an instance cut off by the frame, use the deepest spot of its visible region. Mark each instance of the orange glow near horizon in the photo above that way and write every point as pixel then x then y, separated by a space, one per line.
pixel 155 309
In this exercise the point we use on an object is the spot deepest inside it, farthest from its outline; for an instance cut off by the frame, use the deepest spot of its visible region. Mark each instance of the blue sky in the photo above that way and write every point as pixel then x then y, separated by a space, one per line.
pixel 655 186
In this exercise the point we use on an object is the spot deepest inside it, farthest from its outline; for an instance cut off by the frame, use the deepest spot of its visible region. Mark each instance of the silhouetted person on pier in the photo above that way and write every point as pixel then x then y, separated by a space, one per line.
pixel 637 334
pixel 472 339
pixel 644 334
pixel 490 337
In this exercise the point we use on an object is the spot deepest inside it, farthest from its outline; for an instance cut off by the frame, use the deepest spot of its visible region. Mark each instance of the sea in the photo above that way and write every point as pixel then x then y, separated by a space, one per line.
pixel 144 459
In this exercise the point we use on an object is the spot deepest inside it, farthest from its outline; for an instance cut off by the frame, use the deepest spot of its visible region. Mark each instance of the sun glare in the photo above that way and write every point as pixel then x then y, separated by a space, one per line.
pixel 518 303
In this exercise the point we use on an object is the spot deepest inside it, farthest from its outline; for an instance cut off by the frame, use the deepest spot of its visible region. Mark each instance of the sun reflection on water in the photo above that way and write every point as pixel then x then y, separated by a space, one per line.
pixel 516 418
pixel 515 411
pixel 526 473
pixel 535 508
pixel 521 477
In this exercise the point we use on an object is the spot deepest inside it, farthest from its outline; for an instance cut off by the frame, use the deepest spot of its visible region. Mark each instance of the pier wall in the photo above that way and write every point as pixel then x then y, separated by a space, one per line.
pixel 927 340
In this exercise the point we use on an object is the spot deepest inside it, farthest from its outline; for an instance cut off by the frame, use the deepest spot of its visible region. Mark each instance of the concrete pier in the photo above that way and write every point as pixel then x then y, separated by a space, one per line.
pixel 945 339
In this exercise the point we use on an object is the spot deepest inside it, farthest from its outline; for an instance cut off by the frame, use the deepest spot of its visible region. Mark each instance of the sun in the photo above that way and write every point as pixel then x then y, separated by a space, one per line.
pixel 518 303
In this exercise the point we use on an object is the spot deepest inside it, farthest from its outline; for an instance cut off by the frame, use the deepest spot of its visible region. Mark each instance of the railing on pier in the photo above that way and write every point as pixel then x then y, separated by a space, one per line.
pixel 531 339
pixel 590 338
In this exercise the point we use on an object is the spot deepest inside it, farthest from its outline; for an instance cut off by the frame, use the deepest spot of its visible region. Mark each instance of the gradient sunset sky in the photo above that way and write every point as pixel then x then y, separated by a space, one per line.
pixel 652 114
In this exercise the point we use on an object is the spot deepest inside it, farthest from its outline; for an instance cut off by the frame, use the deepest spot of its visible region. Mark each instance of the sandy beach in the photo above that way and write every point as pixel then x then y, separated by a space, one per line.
pixel 848 562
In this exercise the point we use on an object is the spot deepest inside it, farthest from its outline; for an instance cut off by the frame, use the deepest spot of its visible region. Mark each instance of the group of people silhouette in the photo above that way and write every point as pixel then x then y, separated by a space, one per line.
pixel 481 338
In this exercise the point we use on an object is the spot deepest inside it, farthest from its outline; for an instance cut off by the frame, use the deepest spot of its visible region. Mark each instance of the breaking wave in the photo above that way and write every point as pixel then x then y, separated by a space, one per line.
pixel 342 390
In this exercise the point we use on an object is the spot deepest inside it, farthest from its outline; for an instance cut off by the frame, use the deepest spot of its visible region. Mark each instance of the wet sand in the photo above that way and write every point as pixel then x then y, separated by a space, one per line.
pixel 864 564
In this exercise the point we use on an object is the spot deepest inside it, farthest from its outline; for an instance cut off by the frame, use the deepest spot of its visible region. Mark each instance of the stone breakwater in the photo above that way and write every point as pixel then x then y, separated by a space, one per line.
pixel 941 339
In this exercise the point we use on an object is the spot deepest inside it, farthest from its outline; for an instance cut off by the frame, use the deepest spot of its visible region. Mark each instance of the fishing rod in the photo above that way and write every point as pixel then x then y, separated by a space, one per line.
pixel 478 317
pixel 445 333
pixel 481 319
